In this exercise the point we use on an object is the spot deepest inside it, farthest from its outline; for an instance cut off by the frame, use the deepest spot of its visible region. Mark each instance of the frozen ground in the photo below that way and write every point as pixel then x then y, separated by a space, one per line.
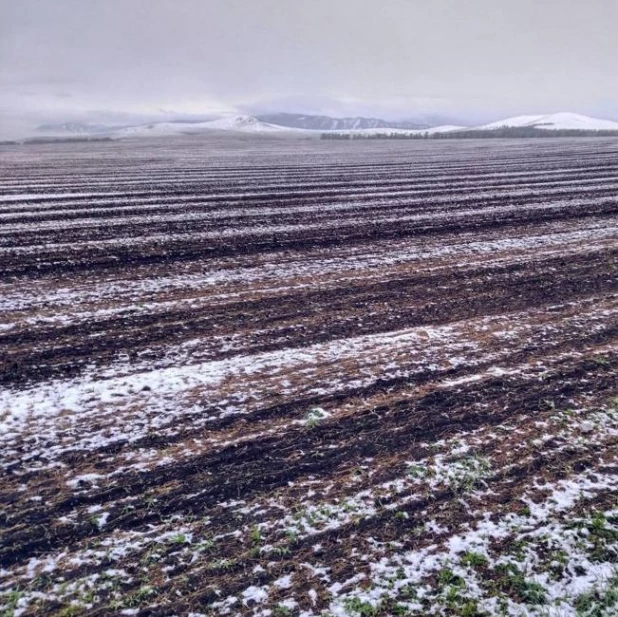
pixel 260 377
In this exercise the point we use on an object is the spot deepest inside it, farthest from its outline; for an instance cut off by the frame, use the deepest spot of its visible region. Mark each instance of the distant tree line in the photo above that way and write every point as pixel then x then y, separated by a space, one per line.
pixel 503 132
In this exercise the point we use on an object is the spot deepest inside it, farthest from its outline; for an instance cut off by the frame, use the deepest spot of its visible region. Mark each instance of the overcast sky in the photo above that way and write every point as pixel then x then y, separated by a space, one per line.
pixel 468 58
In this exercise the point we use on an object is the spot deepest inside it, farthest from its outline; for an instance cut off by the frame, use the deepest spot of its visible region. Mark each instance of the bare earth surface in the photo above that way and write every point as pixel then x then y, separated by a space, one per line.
pixel 279 377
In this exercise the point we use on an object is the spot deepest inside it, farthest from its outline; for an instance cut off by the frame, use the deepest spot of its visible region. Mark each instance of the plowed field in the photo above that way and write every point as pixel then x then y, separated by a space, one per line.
pixel 280 377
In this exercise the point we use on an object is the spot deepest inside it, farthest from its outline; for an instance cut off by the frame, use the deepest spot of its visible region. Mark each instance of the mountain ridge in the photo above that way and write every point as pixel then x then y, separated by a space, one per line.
pixel 354 126
pixel 556 121
pixel 329 123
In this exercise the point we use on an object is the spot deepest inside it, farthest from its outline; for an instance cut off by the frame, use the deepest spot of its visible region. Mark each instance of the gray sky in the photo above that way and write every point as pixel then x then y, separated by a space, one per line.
pixel 475 59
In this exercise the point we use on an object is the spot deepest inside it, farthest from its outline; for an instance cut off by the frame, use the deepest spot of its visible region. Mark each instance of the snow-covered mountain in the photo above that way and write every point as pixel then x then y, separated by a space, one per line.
pixel 251 124
pixel 316 125
pixel 560 121
pixel 242 123
pixel 229 122
pixel 328 123
pixel 233 123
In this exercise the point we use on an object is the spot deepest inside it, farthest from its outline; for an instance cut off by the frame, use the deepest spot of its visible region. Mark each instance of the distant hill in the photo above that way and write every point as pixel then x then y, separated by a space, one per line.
pixel 564 121
pixel 327 123
pixel 287 124
pixel 233 123
pixel 562 124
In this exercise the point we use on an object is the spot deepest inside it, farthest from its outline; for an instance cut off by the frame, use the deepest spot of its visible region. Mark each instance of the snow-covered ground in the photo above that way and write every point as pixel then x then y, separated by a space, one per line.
pixel 309 380
pixel 558 121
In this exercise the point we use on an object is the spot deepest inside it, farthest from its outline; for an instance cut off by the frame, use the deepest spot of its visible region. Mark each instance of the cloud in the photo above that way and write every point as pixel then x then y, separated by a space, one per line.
pixel 473 58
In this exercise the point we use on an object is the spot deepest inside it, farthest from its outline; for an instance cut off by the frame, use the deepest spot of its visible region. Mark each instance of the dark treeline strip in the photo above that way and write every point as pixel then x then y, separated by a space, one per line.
pixel 506 132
